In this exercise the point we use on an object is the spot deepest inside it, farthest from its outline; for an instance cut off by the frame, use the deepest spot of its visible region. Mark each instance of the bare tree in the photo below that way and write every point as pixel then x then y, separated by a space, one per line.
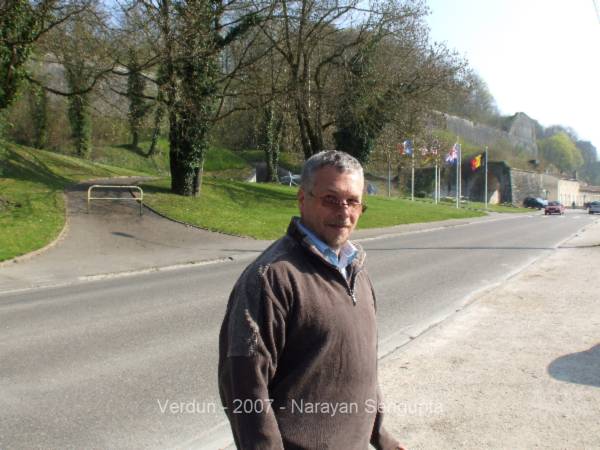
pixel 316 38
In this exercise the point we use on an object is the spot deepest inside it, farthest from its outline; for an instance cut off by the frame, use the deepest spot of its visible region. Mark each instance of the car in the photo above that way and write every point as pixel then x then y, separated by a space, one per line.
pixel 554 208
pixel 594 207
pixel 534 202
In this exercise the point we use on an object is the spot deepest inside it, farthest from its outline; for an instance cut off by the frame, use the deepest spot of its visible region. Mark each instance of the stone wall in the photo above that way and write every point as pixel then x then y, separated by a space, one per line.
pixel 525 184
pixel 505 185
pixel 521 132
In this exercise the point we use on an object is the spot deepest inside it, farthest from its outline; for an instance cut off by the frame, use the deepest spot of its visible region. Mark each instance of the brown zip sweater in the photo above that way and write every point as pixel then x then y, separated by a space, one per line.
pixel 298 357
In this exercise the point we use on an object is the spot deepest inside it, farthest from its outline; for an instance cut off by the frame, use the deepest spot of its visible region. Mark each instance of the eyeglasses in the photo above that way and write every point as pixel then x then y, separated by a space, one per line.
pixel 332 202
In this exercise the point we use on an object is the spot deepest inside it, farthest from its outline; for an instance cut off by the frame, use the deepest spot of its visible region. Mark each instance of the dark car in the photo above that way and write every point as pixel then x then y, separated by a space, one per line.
pixel 594 208
pixel 554 208
pixel 534 202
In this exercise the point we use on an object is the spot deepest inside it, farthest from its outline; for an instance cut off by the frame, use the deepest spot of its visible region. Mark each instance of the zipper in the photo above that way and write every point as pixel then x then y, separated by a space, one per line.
pixel 351 285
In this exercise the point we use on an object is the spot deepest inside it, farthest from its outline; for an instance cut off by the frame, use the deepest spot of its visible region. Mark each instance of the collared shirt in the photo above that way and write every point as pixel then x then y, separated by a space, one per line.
pixel 347 253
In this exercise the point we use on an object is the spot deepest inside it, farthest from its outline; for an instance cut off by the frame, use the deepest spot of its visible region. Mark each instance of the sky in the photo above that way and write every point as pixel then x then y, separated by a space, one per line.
pixel 537 57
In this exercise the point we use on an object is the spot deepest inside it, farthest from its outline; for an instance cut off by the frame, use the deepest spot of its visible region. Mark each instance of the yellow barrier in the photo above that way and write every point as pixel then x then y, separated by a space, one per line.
pixel 103 186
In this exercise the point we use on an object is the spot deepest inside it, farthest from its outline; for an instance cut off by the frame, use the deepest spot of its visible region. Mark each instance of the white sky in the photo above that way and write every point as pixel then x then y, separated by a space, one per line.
pixel 541 57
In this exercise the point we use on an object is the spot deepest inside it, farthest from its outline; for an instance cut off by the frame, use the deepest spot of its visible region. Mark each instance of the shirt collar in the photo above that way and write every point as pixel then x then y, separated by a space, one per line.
pixel 347 253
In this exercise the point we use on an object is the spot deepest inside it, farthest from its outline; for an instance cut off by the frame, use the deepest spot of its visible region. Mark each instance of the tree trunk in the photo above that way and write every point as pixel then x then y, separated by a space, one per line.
pixel 270 138
pixel 135 139
pixel 158 116
pixel 312 141
pixel 80 125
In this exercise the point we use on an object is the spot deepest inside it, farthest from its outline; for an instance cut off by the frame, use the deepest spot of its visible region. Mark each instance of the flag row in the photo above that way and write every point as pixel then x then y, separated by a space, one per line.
pixel 407 148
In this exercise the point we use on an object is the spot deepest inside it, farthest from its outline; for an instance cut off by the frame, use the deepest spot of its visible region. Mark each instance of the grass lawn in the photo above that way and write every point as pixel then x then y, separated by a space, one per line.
pixel 497 208
pixel 32 210
pixel 134 159
pixel 263 211
pixel 291 161
pixel 217 159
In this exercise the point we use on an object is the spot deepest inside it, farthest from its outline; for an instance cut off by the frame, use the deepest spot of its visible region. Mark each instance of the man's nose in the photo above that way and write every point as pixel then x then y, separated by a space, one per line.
pixel 344 212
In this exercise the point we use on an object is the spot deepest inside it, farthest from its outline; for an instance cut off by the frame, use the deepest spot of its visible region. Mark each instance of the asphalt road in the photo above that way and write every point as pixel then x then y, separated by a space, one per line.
pixel 131 362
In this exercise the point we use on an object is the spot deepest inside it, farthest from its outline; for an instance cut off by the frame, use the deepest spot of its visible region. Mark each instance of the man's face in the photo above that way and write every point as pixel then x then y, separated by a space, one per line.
pixel 324 209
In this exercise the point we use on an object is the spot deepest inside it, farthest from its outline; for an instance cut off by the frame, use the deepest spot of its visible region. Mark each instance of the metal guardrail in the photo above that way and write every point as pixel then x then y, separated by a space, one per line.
pixel 104 186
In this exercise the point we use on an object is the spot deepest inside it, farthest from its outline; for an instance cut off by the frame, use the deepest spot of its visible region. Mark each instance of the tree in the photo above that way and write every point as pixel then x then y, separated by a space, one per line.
pixel 560 150
pixel 363 112
pixel 192 35
pixel 350 64
pixel 590 158
pixel 39 108
pixel 261 88
pixel 136 84
pixel 474 101
pixel 78 47
pixel 271 128
pixel 397 80
pixel 313 39
pixel 22 23
pixel 79 107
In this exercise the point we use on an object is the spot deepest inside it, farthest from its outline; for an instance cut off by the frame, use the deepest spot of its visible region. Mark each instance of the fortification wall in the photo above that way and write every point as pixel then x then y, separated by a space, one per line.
pixel 521 132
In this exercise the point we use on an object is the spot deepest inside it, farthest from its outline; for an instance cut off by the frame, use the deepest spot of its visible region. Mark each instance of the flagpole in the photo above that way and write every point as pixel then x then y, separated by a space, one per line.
pixel 412 180
pixel 486 177
pixel 457 172
pixel 440 183
pixel 389 161
pixel 439 187
pixel 435 192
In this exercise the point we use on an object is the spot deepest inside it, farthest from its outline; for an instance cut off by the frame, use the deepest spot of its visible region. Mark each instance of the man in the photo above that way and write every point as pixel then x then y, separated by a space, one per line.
pixel 298 345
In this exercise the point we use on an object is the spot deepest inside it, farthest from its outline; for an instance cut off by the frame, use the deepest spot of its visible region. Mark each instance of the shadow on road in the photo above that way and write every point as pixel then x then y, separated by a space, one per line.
pixel 579 368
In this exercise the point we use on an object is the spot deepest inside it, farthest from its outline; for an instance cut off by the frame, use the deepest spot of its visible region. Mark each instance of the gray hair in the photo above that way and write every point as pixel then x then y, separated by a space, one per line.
pixel 342 161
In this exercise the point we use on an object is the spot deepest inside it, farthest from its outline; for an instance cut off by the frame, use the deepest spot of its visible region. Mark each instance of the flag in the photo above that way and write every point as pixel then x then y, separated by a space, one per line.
pixel 453 153
pixel 424 151
pixel 406 147
pixel 476 162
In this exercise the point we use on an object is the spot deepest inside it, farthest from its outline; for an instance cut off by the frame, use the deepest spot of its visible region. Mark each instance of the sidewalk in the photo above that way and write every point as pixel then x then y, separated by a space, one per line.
pixel 519 368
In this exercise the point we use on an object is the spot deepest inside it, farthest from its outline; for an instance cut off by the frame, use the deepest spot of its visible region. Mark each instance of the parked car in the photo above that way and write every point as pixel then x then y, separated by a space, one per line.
pixel 534 202
pixel 554 208
pixel 594 208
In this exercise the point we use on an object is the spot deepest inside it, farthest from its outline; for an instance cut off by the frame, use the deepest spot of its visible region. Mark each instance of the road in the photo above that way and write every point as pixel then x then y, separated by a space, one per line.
pixel 131 362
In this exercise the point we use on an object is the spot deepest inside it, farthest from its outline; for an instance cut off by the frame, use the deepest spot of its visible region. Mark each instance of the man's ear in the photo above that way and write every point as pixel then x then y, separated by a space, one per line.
pixel 300 197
